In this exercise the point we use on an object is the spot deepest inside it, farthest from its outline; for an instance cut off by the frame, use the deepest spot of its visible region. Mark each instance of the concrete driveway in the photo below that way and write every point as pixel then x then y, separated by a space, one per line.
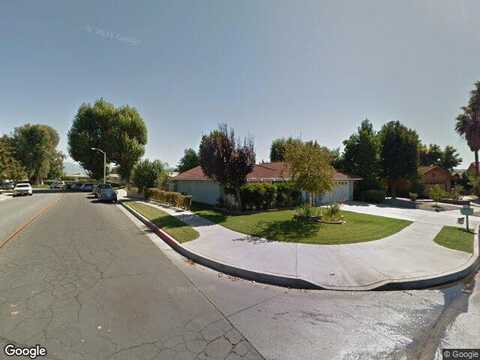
pixel 420 216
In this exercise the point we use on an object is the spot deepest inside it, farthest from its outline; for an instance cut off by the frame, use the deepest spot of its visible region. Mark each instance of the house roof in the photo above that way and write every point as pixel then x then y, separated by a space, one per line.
pixel 422 170
pixel 471 167
pixel 276 171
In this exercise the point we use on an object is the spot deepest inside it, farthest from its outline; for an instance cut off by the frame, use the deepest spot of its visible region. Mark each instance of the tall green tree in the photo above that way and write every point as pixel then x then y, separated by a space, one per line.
pixel 398 154
pixel 361 155
pixel 120 132
pixel 278 148
pixel 131 134
pixel 35 149
pixel 227 160
pixel 468 123
pixel 310 168
pixel 430 155
pixel 56 165
pixel 450 158
pixel 148 174
pixel 10 168
pixel 188 161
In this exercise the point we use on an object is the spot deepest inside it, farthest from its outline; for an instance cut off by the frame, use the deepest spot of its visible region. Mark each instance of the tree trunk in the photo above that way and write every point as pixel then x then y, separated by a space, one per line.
pixel 238 198
pixel 476 163
pixel 393 189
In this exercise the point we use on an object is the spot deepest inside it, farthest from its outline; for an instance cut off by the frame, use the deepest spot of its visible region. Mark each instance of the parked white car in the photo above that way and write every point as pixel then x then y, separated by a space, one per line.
pixel 22 189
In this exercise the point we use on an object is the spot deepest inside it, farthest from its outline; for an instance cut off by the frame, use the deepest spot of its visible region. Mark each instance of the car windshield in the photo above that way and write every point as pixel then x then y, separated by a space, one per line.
pixel 23 185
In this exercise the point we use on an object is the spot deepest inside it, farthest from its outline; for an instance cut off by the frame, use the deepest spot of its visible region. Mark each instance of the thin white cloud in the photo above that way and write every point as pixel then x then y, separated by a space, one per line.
pixel 110 35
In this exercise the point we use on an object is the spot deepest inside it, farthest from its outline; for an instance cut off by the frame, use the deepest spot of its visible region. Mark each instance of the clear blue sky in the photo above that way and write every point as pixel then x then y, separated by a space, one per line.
pixel 268 68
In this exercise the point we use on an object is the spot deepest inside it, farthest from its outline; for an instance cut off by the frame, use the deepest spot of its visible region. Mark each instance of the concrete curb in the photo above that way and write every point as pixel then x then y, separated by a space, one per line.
pixel 298 283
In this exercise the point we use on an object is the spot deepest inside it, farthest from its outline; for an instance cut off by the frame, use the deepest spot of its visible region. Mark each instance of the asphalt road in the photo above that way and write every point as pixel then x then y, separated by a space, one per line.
pixel 87 281
pixel 84 282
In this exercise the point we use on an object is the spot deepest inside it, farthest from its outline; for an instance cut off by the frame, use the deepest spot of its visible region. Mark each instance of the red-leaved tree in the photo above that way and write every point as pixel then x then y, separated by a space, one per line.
pixel 226 159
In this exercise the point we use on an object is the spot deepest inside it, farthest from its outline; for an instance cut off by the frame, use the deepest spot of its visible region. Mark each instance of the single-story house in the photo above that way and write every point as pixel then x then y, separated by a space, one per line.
pixel 471 170
pixel 205 190
pixel 435 175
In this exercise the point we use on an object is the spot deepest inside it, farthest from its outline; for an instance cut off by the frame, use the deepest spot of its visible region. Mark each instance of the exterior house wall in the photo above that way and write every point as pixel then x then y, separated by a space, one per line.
pixel 207 192
pixel 343 191
pixel 437 176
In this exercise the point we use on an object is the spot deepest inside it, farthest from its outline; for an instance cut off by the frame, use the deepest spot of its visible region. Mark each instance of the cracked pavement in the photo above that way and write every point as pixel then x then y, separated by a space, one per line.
pixel 84 281
pixel 88 281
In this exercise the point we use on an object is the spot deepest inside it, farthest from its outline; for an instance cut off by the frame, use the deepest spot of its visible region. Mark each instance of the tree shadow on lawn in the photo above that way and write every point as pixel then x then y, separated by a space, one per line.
pixel 168 222
pixel 209 213
pixel 195 220
pixel 285 230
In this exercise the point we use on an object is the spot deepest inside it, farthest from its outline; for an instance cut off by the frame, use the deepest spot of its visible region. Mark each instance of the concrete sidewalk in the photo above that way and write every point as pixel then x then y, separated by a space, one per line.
pixel 407 255
pixel 5 196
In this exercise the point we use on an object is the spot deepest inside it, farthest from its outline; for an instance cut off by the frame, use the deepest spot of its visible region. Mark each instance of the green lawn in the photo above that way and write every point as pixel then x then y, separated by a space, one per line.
pixel 174 227
pixel 280 226
pixel 40 186
pixel 455 238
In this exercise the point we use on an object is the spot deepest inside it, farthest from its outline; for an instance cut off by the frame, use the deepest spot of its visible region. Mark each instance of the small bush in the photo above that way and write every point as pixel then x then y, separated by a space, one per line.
pixel 287 195
pixel 333 211
pixel 413 196
pixel 456 192
pixel 169 197
pixel 256 196
pixel 437 193
pixel 306 211
pixel 373 196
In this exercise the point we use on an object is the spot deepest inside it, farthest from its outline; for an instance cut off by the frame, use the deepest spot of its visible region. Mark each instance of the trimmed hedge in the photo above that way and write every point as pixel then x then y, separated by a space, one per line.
pixel 169 197
pixel 373 196
pixel 265 196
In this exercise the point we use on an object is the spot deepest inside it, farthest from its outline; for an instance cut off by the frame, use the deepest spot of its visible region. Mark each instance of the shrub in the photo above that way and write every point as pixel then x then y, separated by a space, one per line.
pixel 306 211
pixel 287 195
pixel 373 196
pixel 413 196
pixel 456 192
pixel 169 197
pixel 267 196
pixel 437 193
pixel 333 211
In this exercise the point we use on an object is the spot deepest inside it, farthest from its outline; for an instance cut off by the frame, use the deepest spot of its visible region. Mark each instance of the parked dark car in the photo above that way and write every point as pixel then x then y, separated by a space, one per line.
pixel 99 188
pixel 76 186
pixel 7 185
pixel 88 187
pixel 107 194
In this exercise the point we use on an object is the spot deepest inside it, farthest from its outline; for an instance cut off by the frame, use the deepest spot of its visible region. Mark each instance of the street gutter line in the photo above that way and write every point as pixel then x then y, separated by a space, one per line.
pixel 28 223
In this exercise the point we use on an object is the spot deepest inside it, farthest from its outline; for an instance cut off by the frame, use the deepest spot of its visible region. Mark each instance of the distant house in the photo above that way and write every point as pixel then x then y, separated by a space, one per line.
pixel 205 190
pixel 471 169
pixel 435 175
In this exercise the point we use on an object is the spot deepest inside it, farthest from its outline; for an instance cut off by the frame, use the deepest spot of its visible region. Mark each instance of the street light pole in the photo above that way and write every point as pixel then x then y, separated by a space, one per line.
pixel 104 163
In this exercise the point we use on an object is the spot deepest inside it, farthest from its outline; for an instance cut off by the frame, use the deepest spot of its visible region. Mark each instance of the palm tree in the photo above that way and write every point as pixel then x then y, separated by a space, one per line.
pixel 468 123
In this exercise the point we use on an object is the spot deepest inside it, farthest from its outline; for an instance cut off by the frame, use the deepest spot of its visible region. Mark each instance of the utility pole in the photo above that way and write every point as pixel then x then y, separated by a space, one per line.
pixel 104 163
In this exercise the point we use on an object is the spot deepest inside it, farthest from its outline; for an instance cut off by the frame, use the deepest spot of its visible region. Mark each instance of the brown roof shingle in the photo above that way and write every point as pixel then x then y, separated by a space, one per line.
pixel 265 172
